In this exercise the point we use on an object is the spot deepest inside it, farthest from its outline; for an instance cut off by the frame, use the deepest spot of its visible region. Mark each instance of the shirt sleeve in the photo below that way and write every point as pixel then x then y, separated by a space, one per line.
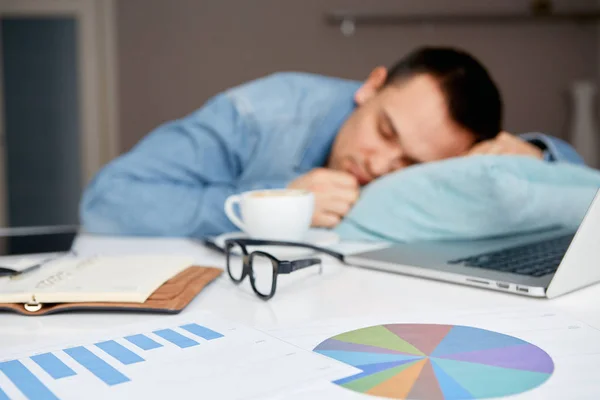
pixel 555 150
pixel 176 180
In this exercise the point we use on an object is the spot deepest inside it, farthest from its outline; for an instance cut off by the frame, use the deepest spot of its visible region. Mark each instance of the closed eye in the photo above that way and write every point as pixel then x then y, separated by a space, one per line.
pixel 406 160
pixel 391 134
pixel 386 129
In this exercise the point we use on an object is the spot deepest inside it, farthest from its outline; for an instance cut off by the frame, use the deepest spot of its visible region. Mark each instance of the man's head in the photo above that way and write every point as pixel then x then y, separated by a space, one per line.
pixel 435 103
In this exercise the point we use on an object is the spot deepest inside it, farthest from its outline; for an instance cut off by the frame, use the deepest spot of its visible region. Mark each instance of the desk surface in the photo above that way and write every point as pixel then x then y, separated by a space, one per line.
pixel 340 291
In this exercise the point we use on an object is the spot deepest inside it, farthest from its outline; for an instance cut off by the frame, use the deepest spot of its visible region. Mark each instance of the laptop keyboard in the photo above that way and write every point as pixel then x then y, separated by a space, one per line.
pixel 533 259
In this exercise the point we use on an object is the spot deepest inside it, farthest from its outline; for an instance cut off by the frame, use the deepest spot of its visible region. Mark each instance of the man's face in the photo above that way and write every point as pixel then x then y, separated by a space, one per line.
pixel 396 126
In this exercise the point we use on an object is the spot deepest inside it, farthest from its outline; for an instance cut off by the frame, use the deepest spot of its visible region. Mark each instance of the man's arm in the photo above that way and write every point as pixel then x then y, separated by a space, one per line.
pixel 535 145
pixel 554 149
pixel 176 180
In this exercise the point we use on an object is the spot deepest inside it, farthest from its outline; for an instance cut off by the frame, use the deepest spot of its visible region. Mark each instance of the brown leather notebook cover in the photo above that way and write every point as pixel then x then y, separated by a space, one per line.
pixel 171 297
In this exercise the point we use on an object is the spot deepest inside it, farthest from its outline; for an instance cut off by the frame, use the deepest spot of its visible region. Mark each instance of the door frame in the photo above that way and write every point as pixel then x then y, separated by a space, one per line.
pixel 97 80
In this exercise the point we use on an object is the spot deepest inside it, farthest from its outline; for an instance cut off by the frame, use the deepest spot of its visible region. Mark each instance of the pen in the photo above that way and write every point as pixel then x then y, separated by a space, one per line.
pixel 6 271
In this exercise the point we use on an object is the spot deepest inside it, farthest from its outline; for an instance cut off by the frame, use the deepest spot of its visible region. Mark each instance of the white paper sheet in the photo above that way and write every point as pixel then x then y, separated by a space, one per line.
pixel 573 346
pixel 227 361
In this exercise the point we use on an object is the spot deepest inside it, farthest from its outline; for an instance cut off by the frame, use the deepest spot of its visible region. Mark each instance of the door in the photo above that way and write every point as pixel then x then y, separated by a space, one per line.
pixel 55 87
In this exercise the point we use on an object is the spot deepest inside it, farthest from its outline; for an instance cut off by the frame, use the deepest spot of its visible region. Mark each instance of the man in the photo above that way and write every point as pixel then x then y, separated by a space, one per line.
pixel 322 134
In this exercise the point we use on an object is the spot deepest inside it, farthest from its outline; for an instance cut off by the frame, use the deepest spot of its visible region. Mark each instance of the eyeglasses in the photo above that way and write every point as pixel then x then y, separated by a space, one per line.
pixel 262 267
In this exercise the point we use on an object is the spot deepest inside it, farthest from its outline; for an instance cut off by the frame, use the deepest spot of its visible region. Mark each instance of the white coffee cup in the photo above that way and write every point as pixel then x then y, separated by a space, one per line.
pixel 277 214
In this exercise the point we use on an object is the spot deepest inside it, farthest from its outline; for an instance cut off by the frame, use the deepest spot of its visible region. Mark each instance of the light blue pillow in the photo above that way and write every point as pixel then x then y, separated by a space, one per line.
pixel 471 197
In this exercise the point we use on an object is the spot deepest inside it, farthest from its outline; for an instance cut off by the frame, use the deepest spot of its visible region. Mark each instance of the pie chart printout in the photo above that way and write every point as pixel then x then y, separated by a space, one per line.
pixel 431 362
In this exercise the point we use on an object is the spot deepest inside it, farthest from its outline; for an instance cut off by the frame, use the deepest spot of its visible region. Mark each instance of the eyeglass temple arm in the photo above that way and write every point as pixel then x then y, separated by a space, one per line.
pixel 259 242
pixel 287 267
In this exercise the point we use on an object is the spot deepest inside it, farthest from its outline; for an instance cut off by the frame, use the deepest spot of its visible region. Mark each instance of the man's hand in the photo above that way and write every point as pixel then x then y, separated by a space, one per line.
pixel 505 143
pixel 335 193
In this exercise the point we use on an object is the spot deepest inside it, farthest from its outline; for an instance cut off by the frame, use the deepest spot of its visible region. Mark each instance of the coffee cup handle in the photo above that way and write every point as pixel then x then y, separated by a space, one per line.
pixel 229 203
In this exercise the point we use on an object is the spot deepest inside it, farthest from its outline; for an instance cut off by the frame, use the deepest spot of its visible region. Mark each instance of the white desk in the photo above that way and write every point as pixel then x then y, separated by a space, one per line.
pixel 341 291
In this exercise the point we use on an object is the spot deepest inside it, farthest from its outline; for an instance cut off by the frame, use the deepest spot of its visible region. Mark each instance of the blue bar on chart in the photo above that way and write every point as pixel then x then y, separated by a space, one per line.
pixel 25 381
pixel 3 396
pixel 53 366
pixel 201 331
pixel 176 338
pixel 96 365
pixel 143 342
pixel 121 353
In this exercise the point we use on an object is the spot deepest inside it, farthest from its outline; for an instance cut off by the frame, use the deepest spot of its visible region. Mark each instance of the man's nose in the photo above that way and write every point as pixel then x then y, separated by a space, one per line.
pixel 385 162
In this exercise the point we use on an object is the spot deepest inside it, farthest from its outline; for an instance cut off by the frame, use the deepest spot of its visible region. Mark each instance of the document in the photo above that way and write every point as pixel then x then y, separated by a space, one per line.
pixel 527 353
pixel 194 355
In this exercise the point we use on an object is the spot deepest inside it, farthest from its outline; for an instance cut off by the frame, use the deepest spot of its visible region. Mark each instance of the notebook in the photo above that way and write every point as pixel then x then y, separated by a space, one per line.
pixel 130 279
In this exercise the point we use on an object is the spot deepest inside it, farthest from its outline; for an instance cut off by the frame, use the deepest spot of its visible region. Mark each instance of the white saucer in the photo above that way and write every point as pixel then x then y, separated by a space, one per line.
pixel 315 236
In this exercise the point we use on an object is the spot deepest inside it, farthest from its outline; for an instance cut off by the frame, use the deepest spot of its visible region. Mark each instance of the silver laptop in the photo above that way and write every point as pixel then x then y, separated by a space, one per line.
pixel 540 264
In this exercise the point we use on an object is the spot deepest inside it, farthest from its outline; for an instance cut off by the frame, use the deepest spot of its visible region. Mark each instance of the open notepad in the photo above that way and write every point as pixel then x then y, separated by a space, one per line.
pixel 129 279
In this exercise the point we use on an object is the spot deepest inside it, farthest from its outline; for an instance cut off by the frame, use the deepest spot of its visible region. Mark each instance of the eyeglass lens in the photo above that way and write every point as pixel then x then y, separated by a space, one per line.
pixel 263 270
pixel 235 261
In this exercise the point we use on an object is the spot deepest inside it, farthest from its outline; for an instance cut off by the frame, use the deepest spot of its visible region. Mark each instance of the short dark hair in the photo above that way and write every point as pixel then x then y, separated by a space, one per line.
pixel 473 98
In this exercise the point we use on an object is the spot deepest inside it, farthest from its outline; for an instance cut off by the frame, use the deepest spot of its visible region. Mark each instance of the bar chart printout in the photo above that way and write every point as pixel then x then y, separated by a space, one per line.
pixel 164 358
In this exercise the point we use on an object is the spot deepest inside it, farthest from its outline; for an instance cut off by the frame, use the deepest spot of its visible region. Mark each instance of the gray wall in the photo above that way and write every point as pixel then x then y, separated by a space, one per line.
pixel 173 55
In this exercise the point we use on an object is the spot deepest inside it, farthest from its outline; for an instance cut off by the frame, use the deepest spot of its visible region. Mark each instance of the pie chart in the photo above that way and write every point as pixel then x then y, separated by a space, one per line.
pixel 431 362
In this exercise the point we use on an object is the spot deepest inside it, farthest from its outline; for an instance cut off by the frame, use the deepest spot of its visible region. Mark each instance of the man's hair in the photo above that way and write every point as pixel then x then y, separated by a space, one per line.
pixel 473 99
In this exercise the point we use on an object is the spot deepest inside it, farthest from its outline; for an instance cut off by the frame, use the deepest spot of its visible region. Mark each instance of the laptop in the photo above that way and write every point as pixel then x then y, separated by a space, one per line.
pixel 545 263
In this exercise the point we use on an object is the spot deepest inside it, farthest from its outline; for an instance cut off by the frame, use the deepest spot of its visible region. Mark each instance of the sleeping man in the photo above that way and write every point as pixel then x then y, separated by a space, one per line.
pixel 296 130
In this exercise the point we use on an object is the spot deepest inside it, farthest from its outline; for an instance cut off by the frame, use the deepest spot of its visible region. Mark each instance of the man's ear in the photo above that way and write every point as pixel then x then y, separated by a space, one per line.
pixel 371 86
